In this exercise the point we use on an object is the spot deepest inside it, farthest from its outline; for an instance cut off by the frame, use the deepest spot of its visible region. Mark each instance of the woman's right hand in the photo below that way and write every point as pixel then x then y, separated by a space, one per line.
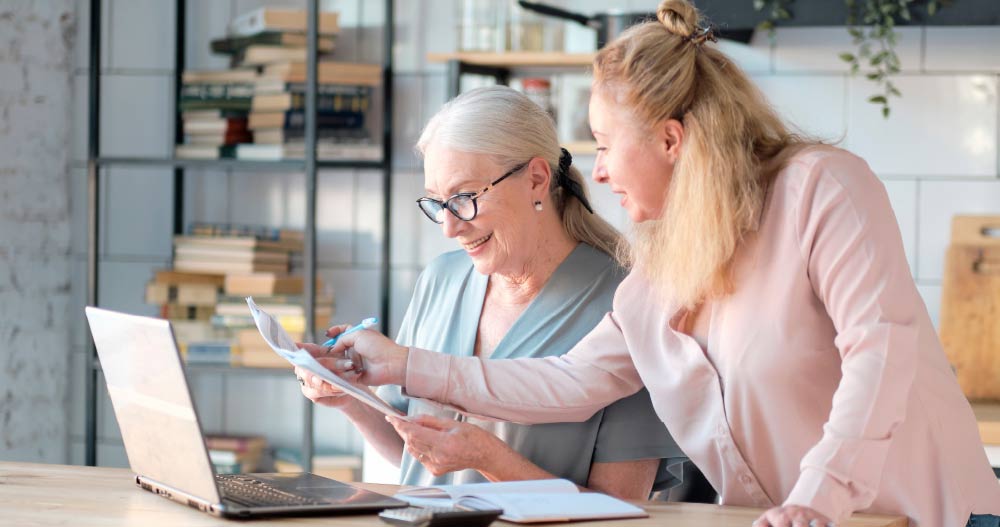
pixel 316 389
pixel 363 357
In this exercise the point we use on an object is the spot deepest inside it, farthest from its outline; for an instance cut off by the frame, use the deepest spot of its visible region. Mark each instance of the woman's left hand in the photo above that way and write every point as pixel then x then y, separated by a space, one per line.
pixel 443 445
pixel 792 516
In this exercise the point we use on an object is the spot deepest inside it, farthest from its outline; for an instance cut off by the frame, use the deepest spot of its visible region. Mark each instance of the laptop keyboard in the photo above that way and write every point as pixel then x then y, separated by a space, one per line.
pixel 250 491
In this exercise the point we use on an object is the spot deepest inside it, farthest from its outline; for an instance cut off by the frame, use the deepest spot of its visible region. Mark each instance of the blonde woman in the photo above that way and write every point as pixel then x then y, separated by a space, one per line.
pixel 535 274
pixel 770 311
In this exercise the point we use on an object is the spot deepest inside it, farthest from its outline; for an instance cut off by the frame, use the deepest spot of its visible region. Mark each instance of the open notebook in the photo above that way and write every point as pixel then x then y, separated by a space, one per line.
pixel 546 500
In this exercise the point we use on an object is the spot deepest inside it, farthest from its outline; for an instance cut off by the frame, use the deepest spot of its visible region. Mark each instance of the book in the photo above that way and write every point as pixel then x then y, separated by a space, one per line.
pixel 185 312
pixel 259 55
pixel 237 454
pixel 328 72
pixel 269 19
pixel 205 151
pixel 215 96
pixel 214 125
pixel 228 254
pixel 336 465
pixel 279 136
pixel 297 119
pixel 222 268
pixel 230 76
pixel 234 44
pixel 278 310
pixel 185 294
pixel 265 284
pixel 337 97
pixel 166 276
pixel 246 241
pixel 533 501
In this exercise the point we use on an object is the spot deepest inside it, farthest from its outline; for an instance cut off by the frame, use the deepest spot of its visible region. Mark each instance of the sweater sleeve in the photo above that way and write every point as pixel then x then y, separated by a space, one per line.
pixel 851 244
pixel 567 388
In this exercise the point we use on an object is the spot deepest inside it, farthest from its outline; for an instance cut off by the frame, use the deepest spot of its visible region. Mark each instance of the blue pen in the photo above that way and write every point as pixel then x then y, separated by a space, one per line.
pixel 365 324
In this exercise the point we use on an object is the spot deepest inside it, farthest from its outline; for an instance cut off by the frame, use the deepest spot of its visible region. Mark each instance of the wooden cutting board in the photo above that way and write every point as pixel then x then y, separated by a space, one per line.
pixel 970 305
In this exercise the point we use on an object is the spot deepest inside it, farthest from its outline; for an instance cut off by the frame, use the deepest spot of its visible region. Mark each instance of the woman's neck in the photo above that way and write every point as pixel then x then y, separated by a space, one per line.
pixel 520 286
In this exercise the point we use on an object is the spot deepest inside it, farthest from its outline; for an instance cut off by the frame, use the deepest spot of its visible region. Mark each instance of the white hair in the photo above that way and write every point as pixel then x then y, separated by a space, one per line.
pixel 504 124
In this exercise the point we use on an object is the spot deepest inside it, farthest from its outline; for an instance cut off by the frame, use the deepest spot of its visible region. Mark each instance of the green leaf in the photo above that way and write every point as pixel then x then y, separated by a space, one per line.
pixel 893 91
pixel 885 112
pixel 877 99
pixel 873 76
pixel 932 8
pixel 847 57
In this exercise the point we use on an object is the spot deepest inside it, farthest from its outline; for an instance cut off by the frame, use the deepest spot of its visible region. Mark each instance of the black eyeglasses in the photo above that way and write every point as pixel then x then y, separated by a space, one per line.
pixel 463 205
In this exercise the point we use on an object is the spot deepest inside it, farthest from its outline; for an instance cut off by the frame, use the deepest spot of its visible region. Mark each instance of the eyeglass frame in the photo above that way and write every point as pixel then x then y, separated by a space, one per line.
pixel 472 195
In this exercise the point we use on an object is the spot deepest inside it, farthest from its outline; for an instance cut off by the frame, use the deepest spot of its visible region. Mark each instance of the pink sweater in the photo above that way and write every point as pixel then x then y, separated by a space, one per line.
pixel 823 384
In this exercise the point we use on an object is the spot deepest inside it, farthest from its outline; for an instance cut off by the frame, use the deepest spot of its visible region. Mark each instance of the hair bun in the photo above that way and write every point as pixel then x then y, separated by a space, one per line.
pixel 679 17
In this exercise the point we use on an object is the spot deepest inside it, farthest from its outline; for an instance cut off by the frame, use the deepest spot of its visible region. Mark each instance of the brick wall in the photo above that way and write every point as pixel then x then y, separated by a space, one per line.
pixel 35 111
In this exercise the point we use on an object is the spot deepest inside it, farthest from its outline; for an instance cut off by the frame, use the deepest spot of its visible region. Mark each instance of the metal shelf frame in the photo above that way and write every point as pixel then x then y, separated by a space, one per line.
pixel 309 166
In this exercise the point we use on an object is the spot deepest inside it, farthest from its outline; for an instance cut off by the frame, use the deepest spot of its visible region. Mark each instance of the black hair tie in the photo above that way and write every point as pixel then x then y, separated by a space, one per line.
pixel 563 180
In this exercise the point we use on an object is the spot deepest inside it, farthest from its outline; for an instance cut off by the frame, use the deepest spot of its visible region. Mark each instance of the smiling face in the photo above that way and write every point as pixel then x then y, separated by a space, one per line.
pixel 500 238
pixel 633 160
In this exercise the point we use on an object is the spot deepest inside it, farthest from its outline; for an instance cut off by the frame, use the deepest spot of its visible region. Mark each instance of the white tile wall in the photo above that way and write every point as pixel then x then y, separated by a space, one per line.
pixel 964 49
pixel 368 233
pixel 942 126
pixel 205 21
pixel 939 201
pixel 133 111
pixel 932 299
pixel 812 103
pixel 136 23
pixel 814 49
pixel 140 226
pixel 752 57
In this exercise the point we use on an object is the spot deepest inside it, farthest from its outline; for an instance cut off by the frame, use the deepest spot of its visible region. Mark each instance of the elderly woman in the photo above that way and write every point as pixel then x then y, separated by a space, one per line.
pixel 535 274
pixel 770 310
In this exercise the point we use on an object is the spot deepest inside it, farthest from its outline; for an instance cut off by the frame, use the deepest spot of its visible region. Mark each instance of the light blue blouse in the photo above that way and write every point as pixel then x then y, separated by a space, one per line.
pixel 444 316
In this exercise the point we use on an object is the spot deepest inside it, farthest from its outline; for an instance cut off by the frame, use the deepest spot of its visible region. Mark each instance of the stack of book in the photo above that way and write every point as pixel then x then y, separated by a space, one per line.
pixel 267 35
pixel 233 254
pixel 335 465
pixel 214 106
pixel 232 454
pixel 277 112
pixel 279 296
pixel 216 266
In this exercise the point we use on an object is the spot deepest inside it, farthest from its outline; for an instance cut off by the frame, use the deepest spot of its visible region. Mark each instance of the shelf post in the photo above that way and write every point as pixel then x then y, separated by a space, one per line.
pixel 93 202
pixel 309 258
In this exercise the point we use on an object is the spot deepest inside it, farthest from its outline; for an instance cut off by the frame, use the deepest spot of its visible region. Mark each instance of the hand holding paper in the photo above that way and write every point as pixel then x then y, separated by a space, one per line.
pixel 283 345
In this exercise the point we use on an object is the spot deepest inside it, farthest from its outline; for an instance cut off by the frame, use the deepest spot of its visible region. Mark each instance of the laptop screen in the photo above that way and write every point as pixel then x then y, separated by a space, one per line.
pixel 152 401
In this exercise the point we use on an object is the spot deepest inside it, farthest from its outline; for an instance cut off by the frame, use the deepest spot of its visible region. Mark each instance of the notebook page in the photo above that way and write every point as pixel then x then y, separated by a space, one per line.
pixel 538 486
pixel 532 508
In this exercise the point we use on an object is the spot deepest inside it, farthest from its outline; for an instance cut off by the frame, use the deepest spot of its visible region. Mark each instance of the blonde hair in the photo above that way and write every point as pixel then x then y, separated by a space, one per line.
pixel 733 144
pixel 507 126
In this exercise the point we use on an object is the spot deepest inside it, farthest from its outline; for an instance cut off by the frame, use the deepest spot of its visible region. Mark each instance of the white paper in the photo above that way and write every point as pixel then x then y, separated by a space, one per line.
pixel 525 501
pixel 283 345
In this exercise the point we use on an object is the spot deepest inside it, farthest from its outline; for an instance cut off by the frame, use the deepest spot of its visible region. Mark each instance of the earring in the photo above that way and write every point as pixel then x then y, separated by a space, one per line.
pixel 538 206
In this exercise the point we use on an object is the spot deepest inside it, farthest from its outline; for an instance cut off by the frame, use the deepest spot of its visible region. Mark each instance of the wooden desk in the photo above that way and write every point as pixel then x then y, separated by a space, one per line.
pixel 42 495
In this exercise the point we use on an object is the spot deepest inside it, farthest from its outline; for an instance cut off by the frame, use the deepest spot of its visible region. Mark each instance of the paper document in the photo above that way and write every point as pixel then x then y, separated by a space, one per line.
pixel 283 345
pixel 547 500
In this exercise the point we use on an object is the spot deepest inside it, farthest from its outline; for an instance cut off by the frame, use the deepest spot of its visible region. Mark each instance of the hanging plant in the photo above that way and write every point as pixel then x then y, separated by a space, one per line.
pixel 872 24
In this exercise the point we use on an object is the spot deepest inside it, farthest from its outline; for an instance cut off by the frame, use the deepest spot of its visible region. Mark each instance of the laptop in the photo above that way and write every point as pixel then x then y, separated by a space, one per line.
pixel 164 441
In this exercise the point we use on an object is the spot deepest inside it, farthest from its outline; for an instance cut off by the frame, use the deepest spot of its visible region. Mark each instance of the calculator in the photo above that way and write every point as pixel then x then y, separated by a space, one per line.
pixel 439 517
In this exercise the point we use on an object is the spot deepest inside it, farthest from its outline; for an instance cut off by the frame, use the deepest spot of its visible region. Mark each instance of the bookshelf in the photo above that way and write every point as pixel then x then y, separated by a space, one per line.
pixel 308 166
